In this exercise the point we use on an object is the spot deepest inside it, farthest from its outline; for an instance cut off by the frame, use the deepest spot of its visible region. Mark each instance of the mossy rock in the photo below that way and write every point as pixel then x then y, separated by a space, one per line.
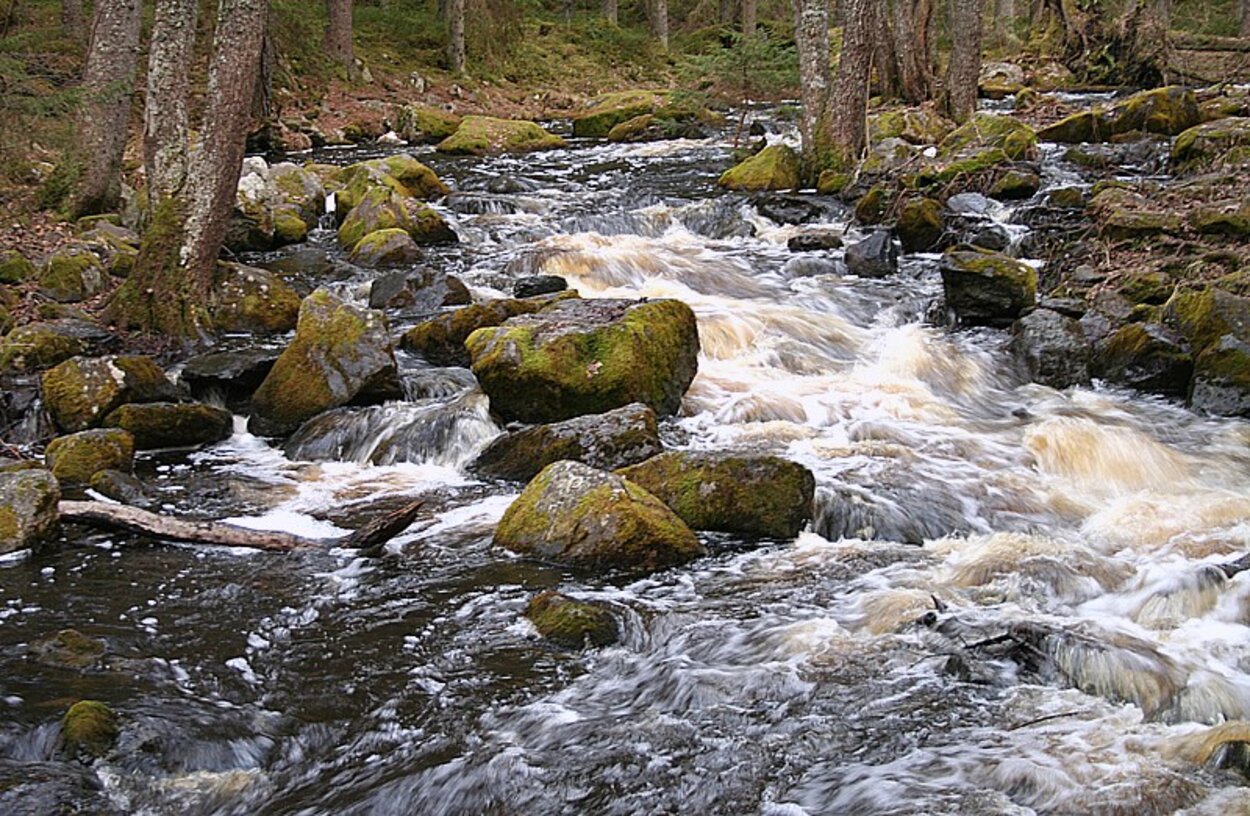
pixel 1205 315
pixel 401 172
pixel 1122 225
pixel 15 268
pixel 575 515
pixel 758 496
pixel 1221 382
pixel 80 392
pixel 385 248
pixel 919 126
pixel 440 340
pixel 75 458
pixel 607 111
pixel 987 288
pixel 571 623
pixel 1015 185
pixel 156 425
pixel 607 441
pixel 297 188
pixel 1147 357
pixel 382 208
pixel 582 357
pixel 71 275
pixel 1227 221
pixel 986 131
pixel 68 649
pixel 422 124
pixel 37 346
pixel 1166 111
pixel 776 167
pixel 125 488
pixel 667 124
pixel 89 729
pixel 28 508
pixel 341 355
pixel 250 300
pixel 7 322
pixel 485 135
pixel 1067 198
pixel 873 205
pixel 288 226
pixel 1149 287
pixel 920 227
pixel 886 157
pixel 1050 348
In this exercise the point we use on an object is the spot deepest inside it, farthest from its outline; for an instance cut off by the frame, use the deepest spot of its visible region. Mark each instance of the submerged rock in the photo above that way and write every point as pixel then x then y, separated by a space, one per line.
pixel 67 649
pixel 607 441
pixel 341 355
pixel 89 729
pixel 774 168
pixel 571 623
pixel 82 391
pixel 28 500
pixel 586 357
pixel 440 340
pixel 983 287
pixel 763 496
pixel 1051 349
pixel 576 515
pixel 123 487
pixel 485 135
pixel 874 257
pixel 75 458
pixel 157 425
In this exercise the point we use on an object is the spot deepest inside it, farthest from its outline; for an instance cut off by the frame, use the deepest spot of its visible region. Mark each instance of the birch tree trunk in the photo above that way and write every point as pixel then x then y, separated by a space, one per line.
pixel 455 44
pixel 659 22
pixel 965 62
pixel 848 104
pixel 73 21
pixel 610 12
pixel 749 13
pixel 811 35
pixel 104 118
pixel 166 122
pixel 338 40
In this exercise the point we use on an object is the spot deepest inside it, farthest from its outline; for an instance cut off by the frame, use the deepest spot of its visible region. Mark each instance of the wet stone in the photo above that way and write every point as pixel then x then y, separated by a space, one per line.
pixel 874 257
pixel 539 285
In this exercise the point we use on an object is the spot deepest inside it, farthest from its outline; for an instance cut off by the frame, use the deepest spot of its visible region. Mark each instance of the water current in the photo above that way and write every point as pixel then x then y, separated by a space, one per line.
pixel 1009 601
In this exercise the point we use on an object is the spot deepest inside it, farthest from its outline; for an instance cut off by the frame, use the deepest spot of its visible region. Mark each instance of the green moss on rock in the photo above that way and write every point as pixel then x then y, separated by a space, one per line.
pixel 422 124
pixel 485 135
pixel 1144 356
pixel 89 729
pixel 15 268
pixel 251 300
pixel 382 208
pixel 571 623
pixel 440 340
pixel 384 248
pixel 68 649
pixel 81 391
pixel 1210 146
pixel 776 167
pixel 72 275
pixel 985 131
pixel 987 288
pixel 1166 111
pixel 919 126
pixel 920 227
pixel 28 508
pixel 75 458
pixel 609 110
pixel 762 496
pixel 37 346
pixel 157 425
pixel 1015 185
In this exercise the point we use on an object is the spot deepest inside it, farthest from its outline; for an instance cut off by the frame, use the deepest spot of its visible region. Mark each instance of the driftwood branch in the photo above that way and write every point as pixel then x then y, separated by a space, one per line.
pixel 369 539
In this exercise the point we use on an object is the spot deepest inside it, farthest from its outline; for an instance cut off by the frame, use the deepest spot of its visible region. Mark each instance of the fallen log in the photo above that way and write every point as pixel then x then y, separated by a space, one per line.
pixel 368 539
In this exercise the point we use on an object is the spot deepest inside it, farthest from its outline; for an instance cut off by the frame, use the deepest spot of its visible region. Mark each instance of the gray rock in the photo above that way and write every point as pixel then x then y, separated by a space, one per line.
pixel 28 514
pixel 987 288
pixel 874 257
pixel 994 237
pixel 539 285
pixel 1050 348
pixel 815 241
pixel 232 374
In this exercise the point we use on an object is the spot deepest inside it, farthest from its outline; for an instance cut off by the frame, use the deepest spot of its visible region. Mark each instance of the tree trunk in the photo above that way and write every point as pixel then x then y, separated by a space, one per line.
pixel 748 17
pixel 908 54
pixel 104 118
pixel 169 288
pixel 1245 18
pixel 965 62
pixel 338 40
pixel 455 45
pixel 848 105
pixel 659 22
pixel 73 22
pixel 811 35
pixel 166 121
pixel 1004 20
pixel 610 12
pixel 725 12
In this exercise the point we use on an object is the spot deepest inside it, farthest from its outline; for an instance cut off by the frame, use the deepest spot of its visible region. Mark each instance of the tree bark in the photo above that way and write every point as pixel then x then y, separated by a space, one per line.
pixel 908 51
pixel 659 22
pixel 104 119
pixel 848 104
pixel 166 122
pixel 725 12
pixel 369 539
pixel 1245 18
pixel 455 45
pixel 610 12
pixel 811 34
pixel 749 12
pixel 73 22
pixel 965 62
pixel 338 40
pixel 1004 19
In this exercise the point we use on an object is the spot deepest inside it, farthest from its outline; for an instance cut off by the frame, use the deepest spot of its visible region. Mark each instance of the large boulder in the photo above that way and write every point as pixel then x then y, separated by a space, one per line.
pixel 252 301
pixel 1051 349
pixel 918 126
pixel 82 391
pixel 920 227
pixel 485 135
pixel 28 500
pixel 776 167
pixel 440 339
pixel 72 274
pixel 419 291
pixel 604 112
pixel 571 623
pixel 575 515
pixel 75 458
pixel 873 257
pixel 989 132
pixel 987 288
pixel 341 355
pixel 156 425
pixel 1222 144
pixel 1216 325
pixel 232 375
pixel 387 247
pixel 1221 382
pixel 586 357
pixel 1146 356
pixel 762 496
pixel 37 346
pixel 607 441
pixel 422 124
pixel 1166 111
pixel 274 205
pixel 89 730
pixel 400 172
pixel 382 208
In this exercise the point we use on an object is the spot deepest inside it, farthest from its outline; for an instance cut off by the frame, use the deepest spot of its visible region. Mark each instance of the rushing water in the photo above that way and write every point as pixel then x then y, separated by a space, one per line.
pixel 1006 604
